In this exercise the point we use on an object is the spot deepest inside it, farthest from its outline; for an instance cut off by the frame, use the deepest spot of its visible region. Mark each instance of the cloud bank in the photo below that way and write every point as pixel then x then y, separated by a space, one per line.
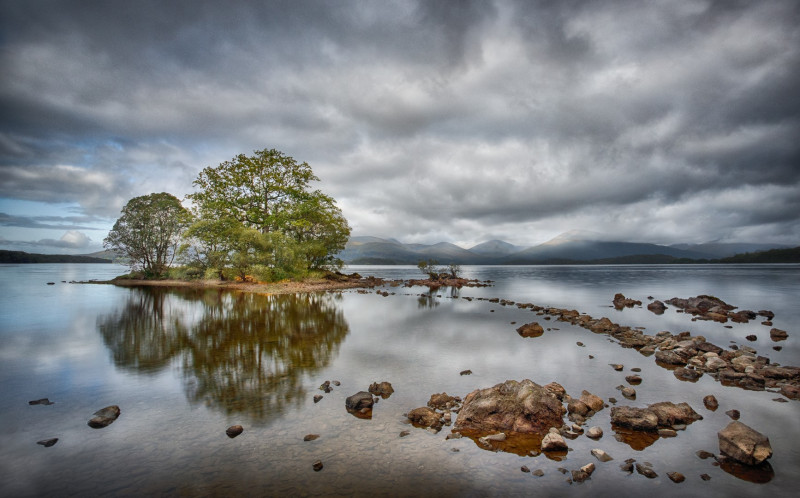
pixel 457 121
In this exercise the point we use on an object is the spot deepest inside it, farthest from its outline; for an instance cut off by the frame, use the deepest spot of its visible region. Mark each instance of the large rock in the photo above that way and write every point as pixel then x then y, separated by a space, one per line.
pixel 657 307
pixel 524 407
pixel 743 444
pixel 425 417
pixel 669 413
pixel 382 389
pixel 530 330
pixel 104 417
pixel 620 301
pixel 358 401
pixel 640 419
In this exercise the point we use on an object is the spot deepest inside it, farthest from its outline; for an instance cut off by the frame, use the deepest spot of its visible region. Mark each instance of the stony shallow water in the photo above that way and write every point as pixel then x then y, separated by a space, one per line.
pixel 185 365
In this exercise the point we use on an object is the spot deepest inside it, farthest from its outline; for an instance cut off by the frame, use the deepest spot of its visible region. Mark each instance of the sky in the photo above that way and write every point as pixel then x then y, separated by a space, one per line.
pixel 459 121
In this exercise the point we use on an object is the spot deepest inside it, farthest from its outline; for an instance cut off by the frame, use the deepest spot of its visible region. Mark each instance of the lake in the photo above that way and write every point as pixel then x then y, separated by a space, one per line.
pixel 184 365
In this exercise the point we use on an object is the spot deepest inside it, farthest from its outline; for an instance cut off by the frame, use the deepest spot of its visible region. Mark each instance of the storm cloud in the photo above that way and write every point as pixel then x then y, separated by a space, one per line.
pixel 427 121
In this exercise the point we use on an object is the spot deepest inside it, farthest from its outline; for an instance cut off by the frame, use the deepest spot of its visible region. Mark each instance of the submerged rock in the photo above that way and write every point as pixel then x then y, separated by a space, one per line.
pixel 317 466
pixel 778 335
pixel 104 417
pixel 744 444
pixel 48 442
pixel 43 401
pixel 620 301
pixel 524 407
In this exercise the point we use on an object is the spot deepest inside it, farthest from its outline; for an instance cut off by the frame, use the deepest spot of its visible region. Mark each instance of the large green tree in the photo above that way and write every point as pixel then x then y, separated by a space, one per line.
pixel 149 231
pixel 269 192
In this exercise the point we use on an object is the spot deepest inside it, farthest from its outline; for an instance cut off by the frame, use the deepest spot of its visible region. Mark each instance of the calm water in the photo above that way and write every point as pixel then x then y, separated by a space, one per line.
pixel 185 365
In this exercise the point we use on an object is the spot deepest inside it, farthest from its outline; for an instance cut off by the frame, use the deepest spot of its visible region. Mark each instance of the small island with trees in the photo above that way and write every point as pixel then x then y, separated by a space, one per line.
pixel 253 219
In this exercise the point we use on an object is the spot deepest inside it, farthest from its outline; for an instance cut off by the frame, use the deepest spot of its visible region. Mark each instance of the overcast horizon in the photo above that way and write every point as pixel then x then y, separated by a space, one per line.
pixel 662 122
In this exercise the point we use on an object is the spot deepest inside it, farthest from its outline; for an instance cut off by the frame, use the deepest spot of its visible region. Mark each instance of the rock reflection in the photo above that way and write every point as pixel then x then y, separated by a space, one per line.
pixel 759 474
pixel 241 353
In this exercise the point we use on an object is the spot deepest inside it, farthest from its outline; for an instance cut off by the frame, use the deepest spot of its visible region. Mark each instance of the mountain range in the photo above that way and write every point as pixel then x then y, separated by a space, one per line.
pixel 569 247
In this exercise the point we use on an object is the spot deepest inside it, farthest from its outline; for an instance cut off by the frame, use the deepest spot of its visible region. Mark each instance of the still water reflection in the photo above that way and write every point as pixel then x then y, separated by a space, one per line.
pixel 240 353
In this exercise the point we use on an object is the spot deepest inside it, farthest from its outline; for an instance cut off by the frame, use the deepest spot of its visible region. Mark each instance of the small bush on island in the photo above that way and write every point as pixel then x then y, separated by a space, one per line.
pixel 436 273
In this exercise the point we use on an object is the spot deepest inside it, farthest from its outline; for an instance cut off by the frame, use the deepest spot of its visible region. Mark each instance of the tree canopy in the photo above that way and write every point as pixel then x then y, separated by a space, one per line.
pixel 149 231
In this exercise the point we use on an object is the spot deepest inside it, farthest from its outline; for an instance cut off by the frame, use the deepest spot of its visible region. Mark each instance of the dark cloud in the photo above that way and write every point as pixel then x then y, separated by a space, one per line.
pixel 673 121
pixel 50 222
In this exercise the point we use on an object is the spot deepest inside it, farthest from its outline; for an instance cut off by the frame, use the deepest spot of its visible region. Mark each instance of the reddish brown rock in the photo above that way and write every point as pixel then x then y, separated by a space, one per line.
pixel 425 417
pixel 530 330
pixel 524 407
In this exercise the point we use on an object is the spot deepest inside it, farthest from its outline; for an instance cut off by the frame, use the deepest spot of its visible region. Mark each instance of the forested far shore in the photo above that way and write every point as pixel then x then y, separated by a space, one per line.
pixel 25 257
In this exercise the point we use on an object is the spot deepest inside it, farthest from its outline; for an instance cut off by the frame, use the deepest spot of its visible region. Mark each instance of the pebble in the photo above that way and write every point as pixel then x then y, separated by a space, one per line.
pixel 676 477
pixel 317 398
pixel 734 414
pixel 538 473
pixel 317 466
pixel 310 437
pixel 524 469
pixel 601 455
pixel 646 471
pixel 48 442
pixel 234 431
pixel 705 477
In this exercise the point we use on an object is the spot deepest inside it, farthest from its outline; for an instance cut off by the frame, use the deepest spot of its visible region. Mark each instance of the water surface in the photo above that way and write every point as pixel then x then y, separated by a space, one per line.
pixel 183 365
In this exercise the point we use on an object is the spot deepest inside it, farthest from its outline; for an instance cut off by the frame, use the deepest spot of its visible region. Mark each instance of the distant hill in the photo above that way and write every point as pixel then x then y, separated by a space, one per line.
pixel 24 257
pixel 724 250
pixel 791 255
pixel 573 247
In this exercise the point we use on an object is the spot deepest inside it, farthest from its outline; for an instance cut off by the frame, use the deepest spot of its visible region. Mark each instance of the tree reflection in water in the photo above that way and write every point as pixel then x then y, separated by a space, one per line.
pixel 241 353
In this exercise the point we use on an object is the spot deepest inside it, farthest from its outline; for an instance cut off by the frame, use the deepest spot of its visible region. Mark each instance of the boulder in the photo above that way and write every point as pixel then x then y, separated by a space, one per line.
pixel 711 402
pixel 382 389
pixel 530 330
pixel 657 307
pixel 778 335
pixel 554 442
pixel 595 403
pixel 358 401
pixel 670 414
pixel 104 417
pixel 442 401
pixel 744 444
pixel 640 419
pixel 524 407
pixel 425 417
pixel 234 431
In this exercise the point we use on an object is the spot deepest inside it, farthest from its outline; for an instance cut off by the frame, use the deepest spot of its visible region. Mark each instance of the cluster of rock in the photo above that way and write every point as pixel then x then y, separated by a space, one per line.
pixel 690 356
pixel 620 302
pixel 655 417
pixel 712 308
pixel 437 413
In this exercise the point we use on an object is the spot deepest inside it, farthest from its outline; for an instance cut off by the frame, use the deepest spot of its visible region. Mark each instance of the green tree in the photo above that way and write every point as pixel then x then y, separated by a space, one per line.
pixel 148 232
pixel 270 192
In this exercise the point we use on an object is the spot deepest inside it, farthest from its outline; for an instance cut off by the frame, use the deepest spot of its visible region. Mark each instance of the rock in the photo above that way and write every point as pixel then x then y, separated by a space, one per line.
pixel 538 473
pixel 317 398
pixel 790 391
pixel 636 369
pixel 627 466
pixel 234 431
pixel 588 468
pixel 525 469
pixel 705 477
pixel 326 386
pixel 43 401
pixel 734 414
pixel 688 374
pixel 703 454
pixel 667 433
pixel 425 417
pixel 640 419
pixel 616 366
pixel 670 357
pixel 744 444
pixel 524 407
pixel 657 307
pixel 336 383
pixel 383 389
pixel 593 402
pixel 628 392
pixel 317 466
pixel 594 432
pixel 553 442
pixel 496 437
pixel 646 471
pixel 310 437
pixel 633 380
pixel 670 414
pixel 358 401
pixel 676 477
pixel 620 301
pixel 48 442
pixel 531 330
pixel 714 363
pixel 711 402
pixel 465 372
pixel 579 476
pixel 576 406
pixel 556 389
pixel 778 335
pixel 751 337
pixel 601 455
pixel 442 401
pixel 406 433
pixel 104 417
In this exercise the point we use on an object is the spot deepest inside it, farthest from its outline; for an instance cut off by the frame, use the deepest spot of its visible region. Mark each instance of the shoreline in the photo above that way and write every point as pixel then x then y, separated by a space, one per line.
pixel 284 287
